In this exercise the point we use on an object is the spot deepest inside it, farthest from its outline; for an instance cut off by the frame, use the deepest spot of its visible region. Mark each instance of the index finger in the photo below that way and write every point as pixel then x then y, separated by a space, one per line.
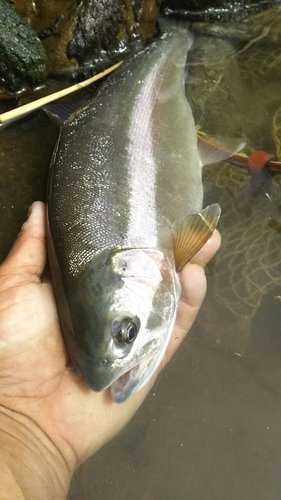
pixel 205 254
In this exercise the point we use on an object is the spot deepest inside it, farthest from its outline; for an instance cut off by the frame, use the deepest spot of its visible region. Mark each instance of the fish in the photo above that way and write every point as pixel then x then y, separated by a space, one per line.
pixel 124 212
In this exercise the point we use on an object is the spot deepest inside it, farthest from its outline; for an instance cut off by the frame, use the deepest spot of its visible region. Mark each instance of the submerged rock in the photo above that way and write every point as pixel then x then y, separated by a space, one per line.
pixel 263 27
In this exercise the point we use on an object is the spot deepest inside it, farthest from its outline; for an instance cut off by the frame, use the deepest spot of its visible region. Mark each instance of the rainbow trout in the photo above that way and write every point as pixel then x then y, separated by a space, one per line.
pixel 124 181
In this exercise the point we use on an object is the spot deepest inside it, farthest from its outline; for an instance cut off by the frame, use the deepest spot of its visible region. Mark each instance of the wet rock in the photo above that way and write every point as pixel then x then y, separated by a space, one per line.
pixel 89 33
pixel 105 29
pixel 216 10
pixel 44 16
pixel 23 58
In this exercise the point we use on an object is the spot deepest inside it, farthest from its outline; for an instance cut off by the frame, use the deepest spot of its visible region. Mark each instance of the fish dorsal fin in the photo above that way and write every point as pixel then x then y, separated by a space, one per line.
pixel 192 233
pixel 58 113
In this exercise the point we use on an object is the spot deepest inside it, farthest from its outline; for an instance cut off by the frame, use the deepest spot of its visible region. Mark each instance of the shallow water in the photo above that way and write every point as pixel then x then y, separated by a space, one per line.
pixel 210 429
pixel 25 155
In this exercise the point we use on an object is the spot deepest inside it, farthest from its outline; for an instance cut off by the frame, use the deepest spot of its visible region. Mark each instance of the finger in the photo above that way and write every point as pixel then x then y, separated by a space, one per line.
pixel 194 287
pixel 206 253
pixel 27 257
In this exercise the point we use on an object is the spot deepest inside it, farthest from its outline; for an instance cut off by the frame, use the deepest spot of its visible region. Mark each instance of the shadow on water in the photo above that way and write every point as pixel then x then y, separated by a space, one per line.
pixel 211 426
pixel 25 154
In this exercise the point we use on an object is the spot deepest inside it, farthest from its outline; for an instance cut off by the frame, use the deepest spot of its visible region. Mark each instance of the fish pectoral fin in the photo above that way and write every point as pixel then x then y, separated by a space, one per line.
pixel 219 149
pixel 192 233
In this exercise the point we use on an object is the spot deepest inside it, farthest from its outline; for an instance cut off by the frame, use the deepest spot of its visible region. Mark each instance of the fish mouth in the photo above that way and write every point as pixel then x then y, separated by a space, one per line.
pixel 138 375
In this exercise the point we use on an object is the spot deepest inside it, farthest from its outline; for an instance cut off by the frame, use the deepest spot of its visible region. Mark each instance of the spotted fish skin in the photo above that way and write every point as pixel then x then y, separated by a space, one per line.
pixel 125 171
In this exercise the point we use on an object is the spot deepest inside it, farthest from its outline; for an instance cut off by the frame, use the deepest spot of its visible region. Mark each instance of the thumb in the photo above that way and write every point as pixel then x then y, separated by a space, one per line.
pixel 27 258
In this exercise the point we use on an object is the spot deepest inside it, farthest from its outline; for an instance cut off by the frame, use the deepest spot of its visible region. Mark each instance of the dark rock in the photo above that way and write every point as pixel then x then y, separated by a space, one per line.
pixel 23 58
pixel 216 10
pixel 105 29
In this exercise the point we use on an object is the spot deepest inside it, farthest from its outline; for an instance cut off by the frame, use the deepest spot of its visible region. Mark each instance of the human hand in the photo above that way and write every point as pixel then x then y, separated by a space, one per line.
pixel 38 386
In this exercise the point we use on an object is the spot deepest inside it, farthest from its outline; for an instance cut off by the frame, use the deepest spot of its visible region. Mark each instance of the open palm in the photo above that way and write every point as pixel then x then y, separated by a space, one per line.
pixel 36 377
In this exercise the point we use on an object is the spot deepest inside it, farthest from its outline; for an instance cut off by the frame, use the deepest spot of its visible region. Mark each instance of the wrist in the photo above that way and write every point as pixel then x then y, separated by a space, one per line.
pixel 28 456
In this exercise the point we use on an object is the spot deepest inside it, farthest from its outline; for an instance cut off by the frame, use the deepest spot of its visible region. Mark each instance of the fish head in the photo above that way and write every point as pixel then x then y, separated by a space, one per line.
pixel 122 311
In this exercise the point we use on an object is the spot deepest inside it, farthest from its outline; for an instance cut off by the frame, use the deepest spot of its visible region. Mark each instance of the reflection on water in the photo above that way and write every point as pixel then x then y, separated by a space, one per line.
pixel 211 427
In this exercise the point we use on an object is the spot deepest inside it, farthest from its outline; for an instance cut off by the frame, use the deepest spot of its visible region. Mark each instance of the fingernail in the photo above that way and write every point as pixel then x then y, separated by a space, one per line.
pixel 30 210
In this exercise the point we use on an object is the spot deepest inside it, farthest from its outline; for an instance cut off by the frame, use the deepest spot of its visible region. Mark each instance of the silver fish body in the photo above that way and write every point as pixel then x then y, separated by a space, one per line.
pixel 125 172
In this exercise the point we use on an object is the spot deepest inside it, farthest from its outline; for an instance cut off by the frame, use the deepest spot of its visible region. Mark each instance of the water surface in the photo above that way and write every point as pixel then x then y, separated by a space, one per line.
pixel 210 429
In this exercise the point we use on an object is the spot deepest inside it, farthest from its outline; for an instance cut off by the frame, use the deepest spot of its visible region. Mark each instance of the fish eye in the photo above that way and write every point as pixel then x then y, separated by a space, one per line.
pixel 129 331
pixel 125 330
